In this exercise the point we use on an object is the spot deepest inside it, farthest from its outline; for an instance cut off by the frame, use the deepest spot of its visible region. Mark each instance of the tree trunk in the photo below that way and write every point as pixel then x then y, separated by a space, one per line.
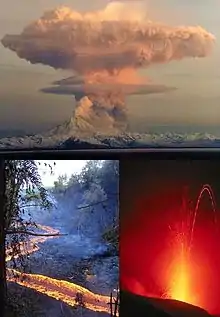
pixel 2 237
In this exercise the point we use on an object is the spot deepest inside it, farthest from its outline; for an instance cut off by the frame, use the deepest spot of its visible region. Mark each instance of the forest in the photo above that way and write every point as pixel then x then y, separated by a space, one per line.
pixel 59 245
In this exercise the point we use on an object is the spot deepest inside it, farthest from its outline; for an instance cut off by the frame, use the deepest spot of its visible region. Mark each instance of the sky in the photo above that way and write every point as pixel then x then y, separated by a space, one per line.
pixel 62 167
pixel 194 104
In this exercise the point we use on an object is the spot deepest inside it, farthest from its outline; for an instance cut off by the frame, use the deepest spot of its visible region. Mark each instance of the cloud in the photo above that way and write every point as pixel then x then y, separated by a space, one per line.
pixel 101 107
pixel 66 87
pixel 106 48
pixel 100 40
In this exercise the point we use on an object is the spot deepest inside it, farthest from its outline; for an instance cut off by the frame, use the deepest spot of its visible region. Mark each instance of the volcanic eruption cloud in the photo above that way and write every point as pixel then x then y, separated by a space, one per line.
pixel 105 49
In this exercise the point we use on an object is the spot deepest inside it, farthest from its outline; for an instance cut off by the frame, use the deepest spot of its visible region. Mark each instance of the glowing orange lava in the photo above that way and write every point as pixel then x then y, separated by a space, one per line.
pixel 172 251
pixel 180 288
pixel 185 285
pixel 60 290
pixel 57 289
pixel 32 245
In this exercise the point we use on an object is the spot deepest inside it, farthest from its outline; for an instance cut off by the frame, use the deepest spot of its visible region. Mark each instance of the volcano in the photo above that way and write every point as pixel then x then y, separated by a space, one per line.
pixel 66 136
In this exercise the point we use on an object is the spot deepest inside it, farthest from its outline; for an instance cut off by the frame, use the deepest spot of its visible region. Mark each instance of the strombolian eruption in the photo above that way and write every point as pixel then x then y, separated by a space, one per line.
pixel 106 48
pixel 176 255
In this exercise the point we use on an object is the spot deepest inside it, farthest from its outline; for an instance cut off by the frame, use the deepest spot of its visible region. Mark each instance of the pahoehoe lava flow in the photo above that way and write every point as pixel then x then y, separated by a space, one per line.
pixel 104 49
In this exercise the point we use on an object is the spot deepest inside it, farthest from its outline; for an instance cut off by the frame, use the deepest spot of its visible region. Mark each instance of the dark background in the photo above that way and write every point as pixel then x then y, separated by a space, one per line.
pixel 144 177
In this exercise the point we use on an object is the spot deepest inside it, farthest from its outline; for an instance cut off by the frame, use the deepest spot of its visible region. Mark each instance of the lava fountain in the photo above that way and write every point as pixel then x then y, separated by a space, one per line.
pixel 172 251
pixel 192 273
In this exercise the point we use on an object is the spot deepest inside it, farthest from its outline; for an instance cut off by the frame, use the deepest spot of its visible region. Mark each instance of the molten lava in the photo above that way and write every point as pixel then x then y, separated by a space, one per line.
pixel 181 259
pixel 31 246
pixel 183 275
pixel 58 289
pixel 180 289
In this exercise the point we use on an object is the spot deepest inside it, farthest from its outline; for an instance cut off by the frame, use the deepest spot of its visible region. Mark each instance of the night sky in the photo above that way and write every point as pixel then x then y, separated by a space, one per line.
pixel 149 177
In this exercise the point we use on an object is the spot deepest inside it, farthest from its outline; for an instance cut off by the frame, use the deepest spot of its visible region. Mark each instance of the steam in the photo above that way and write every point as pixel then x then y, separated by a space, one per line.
pixel 105 112
pixel 107 48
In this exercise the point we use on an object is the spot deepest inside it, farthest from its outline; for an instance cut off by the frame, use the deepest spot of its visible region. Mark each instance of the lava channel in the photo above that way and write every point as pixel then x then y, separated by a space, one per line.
pixel 58 289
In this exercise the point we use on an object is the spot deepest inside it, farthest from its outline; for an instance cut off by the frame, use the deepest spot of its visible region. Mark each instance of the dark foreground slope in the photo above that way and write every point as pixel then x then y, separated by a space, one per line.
pixel 132 305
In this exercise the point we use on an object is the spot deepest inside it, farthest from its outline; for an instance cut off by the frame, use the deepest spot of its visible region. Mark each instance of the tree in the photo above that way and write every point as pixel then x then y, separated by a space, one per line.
pixel 98 187
pixel 61 183
pixel 23 190
pixel 101 184
pixel 2 237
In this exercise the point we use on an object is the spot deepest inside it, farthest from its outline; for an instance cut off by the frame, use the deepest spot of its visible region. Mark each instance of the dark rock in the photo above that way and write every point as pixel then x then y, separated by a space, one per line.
pixel 132 305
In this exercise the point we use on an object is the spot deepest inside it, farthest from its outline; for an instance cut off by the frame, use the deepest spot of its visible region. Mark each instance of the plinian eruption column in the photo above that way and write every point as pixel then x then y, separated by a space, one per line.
pixel 105 48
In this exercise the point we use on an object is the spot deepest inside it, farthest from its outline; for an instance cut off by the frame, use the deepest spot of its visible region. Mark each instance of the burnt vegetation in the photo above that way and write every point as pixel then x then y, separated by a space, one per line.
pixel 21 189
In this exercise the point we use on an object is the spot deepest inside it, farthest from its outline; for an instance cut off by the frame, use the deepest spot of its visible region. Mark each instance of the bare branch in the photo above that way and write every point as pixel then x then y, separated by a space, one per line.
pixel 32 205
pixel 99 202
pixel 93 204
pixel 35 234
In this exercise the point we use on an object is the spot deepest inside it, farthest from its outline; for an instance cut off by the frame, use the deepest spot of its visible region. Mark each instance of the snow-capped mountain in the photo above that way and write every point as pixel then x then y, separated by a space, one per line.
pixel 68 136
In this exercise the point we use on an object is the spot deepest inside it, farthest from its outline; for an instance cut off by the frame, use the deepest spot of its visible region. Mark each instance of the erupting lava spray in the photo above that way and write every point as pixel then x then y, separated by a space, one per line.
pixel 206 188
pixel 180 289
pixel 172 253
pixel 182 272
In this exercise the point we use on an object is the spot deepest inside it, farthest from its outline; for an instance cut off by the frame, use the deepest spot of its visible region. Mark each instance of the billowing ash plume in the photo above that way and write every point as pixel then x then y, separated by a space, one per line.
pixel 106 48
